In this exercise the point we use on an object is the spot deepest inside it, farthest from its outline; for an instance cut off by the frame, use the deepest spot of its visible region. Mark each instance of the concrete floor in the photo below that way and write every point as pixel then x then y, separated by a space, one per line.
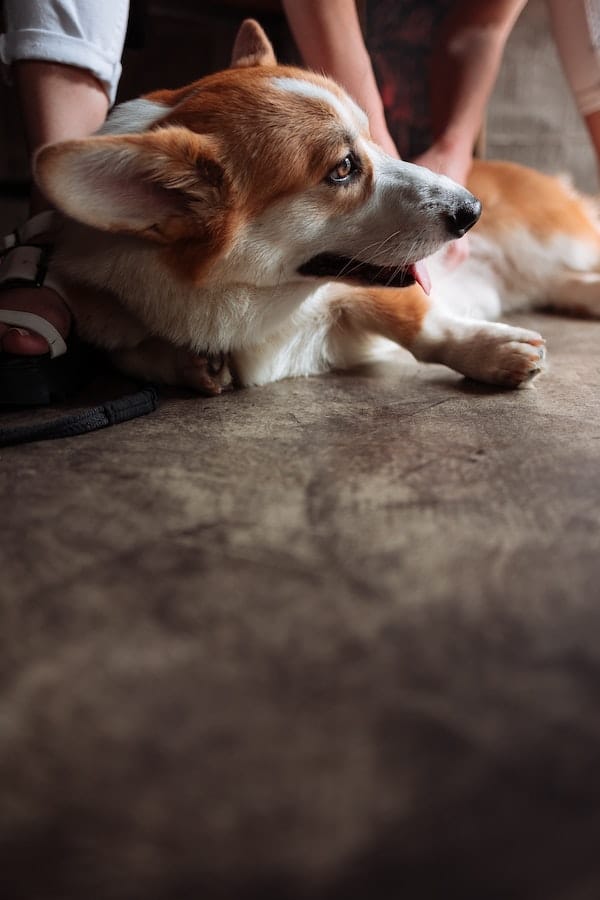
pixel 331 639
pixel 392 480
pixel 328 638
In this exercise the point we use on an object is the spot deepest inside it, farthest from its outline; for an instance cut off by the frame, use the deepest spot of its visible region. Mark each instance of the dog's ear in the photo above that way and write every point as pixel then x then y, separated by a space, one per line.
pixel 163 184
pixel 252 47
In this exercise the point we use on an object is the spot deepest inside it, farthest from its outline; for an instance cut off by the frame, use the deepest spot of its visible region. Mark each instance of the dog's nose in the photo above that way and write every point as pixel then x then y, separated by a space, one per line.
pixel 463 217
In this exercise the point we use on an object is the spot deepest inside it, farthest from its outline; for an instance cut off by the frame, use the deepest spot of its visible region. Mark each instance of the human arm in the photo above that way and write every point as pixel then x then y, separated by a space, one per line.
pixel 576 31
pixel 330 40
pixel 465 63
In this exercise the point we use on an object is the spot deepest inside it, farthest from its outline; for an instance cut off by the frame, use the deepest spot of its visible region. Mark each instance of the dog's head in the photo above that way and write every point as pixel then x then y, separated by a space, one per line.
pixel 260 174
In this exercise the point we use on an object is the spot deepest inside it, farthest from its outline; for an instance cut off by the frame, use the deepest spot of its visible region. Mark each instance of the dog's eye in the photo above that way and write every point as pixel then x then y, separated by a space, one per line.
pixel 344 170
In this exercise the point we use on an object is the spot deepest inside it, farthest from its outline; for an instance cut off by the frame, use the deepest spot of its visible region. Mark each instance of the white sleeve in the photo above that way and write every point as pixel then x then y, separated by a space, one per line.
pixel 83 33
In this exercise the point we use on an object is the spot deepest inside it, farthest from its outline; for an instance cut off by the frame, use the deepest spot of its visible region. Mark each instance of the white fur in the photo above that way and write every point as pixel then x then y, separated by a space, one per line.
pixel 401 222
pixel 134 116
pixel 348 111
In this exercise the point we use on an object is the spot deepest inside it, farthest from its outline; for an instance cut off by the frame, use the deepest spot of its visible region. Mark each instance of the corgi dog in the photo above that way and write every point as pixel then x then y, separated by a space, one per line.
pixel 247 228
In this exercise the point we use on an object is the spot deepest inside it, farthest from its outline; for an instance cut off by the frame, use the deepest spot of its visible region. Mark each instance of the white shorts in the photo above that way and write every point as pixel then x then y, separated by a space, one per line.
pixel 88 34
pixel 576 30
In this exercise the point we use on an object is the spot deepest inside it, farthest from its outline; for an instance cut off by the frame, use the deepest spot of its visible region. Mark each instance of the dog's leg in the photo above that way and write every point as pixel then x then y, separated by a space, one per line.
pixel 157 360
pixel 335 328
pixel 576 294
pixel 485 351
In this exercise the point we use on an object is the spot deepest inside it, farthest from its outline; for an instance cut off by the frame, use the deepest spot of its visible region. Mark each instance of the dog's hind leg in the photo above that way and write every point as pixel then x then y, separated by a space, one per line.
pixel 575 294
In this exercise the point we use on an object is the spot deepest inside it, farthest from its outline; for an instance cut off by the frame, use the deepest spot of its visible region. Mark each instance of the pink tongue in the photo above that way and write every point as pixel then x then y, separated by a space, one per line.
pixel 421 275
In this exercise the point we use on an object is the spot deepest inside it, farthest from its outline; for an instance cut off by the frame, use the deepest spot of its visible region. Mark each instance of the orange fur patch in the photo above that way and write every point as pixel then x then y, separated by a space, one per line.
pixel 512 194
pixel 393 313
pixel 265 160
pixel 271 143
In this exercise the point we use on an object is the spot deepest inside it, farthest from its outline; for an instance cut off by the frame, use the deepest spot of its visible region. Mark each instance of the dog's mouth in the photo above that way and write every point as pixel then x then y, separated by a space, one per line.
pixel 330 265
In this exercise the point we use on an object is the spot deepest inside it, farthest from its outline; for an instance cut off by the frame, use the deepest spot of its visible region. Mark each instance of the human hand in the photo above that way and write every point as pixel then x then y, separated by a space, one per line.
pixel 457 252
pixel 456 165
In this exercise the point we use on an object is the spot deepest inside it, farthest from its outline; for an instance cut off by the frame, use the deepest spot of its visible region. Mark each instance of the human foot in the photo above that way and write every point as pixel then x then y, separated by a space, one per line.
pixel 43 302
pixel 40 358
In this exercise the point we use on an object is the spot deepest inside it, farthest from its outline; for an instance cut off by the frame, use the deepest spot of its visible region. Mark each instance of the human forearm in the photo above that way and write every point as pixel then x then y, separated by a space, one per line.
pixel 330 40
pixel 465 64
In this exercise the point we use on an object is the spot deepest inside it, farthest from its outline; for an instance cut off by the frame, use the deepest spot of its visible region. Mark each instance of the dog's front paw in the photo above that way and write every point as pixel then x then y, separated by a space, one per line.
pixel 503 355
pixel 208 374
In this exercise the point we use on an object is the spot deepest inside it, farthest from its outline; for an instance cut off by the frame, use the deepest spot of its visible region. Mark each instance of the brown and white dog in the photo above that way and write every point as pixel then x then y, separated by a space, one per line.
pixel 250 215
